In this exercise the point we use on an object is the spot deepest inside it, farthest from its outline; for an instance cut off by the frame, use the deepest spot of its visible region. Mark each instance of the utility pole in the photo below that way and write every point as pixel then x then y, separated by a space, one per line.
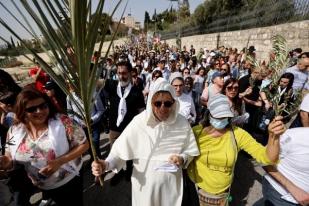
pixel 178 38
pixel 179 26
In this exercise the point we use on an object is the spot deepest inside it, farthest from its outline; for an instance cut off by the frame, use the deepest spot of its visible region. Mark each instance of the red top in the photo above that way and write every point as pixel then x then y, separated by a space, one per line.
pixel 41 80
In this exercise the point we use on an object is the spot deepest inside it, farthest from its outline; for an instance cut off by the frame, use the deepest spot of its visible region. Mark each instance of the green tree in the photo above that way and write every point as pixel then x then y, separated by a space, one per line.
pixel 199 16
pixel 184 13
pixel 146 19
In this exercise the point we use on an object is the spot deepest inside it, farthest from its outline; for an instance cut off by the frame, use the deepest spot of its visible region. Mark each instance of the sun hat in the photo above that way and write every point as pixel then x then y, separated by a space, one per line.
pixel 219 106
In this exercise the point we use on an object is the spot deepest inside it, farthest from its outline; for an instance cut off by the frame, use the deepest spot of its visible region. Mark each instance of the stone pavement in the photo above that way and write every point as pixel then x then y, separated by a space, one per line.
pixel 246 188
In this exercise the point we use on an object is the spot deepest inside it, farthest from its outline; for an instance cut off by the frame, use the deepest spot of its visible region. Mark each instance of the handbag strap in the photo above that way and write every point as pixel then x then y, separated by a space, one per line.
pixel 235 147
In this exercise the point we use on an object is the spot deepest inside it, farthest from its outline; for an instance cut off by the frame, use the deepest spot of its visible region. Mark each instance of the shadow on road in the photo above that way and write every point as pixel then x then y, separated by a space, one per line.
pixel 245 176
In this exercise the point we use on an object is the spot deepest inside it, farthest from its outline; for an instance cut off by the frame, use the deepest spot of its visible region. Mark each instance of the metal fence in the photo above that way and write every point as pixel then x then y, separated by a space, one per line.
pixel 272 13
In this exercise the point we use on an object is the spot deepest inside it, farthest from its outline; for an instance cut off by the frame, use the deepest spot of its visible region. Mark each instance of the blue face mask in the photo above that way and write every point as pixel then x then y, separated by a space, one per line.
pixel 219 123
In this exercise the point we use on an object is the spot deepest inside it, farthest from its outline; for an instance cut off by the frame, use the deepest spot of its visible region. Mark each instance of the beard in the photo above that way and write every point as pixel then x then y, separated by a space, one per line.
pixel 124 83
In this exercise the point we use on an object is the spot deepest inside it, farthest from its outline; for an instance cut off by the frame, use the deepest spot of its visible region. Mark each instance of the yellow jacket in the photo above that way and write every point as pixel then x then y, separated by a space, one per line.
pixel 212 170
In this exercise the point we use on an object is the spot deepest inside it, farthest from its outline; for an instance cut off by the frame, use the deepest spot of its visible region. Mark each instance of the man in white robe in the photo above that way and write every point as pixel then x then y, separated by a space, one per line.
pixel 159 150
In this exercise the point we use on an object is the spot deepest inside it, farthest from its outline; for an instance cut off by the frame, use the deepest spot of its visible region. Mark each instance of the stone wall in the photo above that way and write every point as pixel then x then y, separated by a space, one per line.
pixel 296 34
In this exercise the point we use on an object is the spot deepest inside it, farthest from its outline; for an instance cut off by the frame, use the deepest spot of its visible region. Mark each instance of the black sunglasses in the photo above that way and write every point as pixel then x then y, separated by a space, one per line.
pixel 32 109
pixel 166 104
pixel 8 100
pixel 230 88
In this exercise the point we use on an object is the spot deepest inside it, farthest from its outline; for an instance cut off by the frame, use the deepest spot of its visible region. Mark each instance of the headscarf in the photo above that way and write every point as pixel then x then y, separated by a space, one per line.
pixel 161 85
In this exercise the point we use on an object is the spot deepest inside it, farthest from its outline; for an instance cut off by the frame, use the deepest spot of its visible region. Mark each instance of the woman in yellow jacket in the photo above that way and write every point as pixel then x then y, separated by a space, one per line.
pixel 219 143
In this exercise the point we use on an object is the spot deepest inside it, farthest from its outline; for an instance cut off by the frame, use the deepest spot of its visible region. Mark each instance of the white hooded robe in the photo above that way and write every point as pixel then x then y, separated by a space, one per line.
pixel 150 143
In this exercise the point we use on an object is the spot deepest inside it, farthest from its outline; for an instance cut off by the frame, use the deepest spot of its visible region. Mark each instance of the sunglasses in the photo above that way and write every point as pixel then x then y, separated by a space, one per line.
pixel 33 109
pixel 166 104
pixel 8 100
pixel 235 88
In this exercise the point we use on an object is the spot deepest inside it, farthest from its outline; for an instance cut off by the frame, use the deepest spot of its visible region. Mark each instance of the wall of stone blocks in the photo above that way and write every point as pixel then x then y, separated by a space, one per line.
pixel 296 34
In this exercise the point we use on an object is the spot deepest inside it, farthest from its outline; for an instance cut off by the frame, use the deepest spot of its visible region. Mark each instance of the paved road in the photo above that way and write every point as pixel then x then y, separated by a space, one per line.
pixel 246 188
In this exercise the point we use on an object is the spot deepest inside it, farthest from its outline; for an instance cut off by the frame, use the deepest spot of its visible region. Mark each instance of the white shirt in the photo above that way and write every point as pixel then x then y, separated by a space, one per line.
pixel 300 78
pixel 305 104
pixel 187 108
pixel 294 160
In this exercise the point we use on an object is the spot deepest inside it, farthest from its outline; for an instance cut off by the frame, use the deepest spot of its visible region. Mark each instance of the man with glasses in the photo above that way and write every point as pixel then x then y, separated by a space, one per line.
pixel 186 104
pixel 125 100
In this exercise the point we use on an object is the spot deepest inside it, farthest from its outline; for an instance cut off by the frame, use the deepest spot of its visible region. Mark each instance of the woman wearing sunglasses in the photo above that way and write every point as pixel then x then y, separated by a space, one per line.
pixel 49 146
pixel 219 143
pixel 160 142
pixel 230 89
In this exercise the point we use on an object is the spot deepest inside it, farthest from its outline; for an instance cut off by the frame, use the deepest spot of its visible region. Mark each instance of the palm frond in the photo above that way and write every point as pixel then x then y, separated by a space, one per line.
pixel 70 29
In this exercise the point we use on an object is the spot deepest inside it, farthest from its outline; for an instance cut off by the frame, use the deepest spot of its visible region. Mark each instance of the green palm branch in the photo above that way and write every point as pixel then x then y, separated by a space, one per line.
pixel 277 65
pixel 70 29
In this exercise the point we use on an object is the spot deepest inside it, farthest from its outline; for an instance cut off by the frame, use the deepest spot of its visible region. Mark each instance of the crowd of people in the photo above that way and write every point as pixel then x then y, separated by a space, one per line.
pixel 176 121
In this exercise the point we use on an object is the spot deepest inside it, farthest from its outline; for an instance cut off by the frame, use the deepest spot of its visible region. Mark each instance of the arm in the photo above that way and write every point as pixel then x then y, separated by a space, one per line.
pixel 300 195
pixel 53 165
pixel 6 162
pixel 265 100
pixel 257 103
pixel 204 97
pixel 36 75
pixel 99 108
pixel 275 129
pixel 245 93
pixel 2 117
pixel 304 118
pixel 114 163
pixel 265 155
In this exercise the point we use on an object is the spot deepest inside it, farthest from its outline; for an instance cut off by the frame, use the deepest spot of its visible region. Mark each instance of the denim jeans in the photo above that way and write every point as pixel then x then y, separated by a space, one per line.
pixel 271 197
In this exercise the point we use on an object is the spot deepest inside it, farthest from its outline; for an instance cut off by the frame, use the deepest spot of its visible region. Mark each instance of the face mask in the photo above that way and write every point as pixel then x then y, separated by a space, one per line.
pixel 219 123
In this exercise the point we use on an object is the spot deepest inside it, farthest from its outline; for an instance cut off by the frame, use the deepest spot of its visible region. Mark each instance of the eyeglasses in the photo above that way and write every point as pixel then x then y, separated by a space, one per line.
pixel 33 109
pixel 223 70
pixel 166 104
pixel 230 88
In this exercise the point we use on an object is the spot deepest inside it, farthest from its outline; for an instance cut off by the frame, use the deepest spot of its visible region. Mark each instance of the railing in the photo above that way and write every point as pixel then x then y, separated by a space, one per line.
pixel 272 13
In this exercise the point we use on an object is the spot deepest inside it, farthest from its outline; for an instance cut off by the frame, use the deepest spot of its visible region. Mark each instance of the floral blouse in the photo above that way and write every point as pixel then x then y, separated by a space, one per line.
pixel 35 154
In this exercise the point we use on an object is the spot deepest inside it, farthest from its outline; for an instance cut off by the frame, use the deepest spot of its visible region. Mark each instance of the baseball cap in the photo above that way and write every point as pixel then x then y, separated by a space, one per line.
pixel 219 106
pixel 216 74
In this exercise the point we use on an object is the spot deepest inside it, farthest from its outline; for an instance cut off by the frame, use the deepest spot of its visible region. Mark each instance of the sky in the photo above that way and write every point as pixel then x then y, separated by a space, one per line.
pixel 136 7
